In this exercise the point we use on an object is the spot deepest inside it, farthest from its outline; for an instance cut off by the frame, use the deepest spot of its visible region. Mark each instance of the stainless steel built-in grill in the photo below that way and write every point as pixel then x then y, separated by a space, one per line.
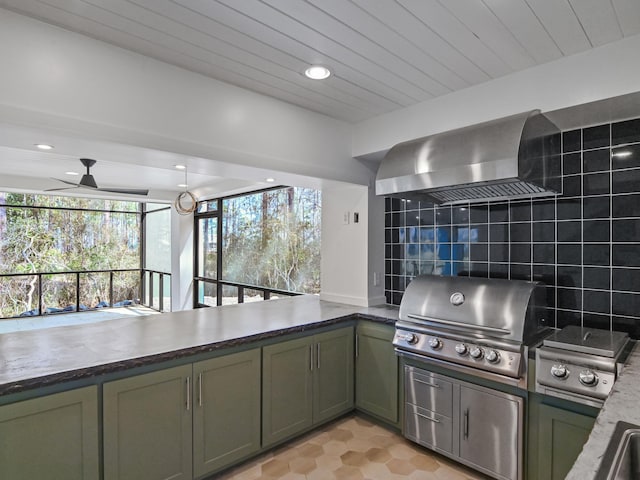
pixel 483 328
pixel 479 326
pixel 580 364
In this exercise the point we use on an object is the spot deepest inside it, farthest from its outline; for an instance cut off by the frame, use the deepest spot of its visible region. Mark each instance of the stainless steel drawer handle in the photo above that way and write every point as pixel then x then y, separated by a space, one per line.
pixel 434 420
pixel 200 389
pixel 466 424
pixel 429 384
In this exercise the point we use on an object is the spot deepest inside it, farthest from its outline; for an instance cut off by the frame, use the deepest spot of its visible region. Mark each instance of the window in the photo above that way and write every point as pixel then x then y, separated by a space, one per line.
pixel 66 254
pixel 256 246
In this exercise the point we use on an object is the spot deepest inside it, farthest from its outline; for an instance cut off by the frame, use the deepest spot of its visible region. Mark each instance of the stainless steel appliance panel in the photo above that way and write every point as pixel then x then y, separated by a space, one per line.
pixel 491 431
pixel 429 391
pixel 429 429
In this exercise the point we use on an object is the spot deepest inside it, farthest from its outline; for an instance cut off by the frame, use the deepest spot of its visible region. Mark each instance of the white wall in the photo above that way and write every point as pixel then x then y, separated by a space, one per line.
pixel 52 78
pixel 604 72
pixel 181 261
pixel 345 267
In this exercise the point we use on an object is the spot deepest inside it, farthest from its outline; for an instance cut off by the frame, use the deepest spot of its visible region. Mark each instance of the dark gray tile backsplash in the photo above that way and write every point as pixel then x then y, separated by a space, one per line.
pixel 584 244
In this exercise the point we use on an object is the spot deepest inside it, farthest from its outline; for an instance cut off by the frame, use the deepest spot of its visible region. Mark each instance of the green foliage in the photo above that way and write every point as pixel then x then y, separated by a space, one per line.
pixel 56 239
pixel 272 239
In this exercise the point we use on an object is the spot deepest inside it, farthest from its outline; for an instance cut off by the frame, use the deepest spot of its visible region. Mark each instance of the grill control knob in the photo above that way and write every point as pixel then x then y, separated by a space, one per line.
pixel 435 343
pixel 588 378
pixel 410 338
pixel 476 352
pixel 559 371
pixel 493 356
pixel 461 349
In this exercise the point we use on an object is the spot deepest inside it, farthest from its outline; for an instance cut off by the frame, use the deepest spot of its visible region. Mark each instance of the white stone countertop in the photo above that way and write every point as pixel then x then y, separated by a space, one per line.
pixel 36 358
pixel 622 404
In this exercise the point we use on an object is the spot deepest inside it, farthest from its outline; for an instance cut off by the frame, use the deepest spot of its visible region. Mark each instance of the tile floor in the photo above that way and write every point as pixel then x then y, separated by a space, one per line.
pixel 351 448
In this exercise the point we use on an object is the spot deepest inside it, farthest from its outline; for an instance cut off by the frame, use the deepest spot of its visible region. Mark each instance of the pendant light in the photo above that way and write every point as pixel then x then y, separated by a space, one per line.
pixel 186 202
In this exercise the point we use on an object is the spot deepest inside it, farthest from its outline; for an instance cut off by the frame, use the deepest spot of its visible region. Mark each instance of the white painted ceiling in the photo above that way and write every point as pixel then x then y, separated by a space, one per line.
pixel 384 54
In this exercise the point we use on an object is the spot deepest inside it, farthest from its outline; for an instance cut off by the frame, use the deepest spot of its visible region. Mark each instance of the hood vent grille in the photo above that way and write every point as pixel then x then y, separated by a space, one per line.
pixel 513 157
pixel 502 191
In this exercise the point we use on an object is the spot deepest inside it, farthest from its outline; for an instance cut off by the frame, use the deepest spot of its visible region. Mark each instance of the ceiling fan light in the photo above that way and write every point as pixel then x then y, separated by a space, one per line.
pixel 317 72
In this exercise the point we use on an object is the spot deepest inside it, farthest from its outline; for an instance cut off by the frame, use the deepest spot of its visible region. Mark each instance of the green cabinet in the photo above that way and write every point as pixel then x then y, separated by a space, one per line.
pixel 557 434
pixel 377 372
pixel 305 381
pixel 333 374
pixel 226 414
pixel 51 437
pixel 147 426
pixel 183 422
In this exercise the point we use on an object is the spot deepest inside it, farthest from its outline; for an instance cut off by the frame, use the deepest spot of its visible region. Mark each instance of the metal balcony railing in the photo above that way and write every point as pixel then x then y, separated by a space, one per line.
pixel 210 292
pixel 46 293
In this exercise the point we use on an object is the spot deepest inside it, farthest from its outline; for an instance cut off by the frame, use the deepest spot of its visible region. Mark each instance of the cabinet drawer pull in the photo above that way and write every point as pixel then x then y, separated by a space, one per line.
pixel 434 420
pixel 318 356
pixel 200 389
pixel 311 357
pixel 429 384
pixel 357 345
pixel 188 392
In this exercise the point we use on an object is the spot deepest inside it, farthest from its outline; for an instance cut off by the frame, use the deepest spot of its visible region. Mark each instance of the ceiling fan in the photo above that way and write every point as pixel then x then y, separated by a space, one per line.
pixel 87 181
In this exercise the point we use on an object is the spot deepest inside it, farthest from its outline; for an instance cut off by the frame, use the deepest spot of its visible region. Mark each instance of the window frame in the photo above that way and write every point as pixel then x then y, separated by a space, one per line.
pixel 218 282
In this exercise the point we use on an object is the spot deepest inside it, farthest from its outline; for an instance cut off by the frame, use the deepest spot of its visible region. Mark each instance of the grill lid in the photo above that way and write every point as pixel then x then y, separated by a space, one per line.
pixel 511 310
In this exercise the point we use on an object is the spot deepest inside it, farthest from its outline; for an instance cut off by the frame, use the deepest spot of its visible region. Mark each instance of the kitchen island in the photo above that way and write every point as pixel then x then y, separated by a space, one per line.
pixel 185 395
pixel 39 358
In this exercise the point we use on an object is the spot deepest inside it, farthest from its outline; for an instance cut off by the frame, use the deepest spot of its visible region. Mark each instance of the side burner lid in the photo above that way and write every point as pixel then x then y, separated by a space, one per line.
pixel 592 341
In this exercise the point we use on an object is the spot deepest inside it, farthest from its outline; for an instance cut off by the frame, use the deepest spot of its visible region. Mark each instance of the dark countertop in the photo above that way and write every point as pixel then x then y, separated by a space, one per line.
pixel 39 358
pixel 622 405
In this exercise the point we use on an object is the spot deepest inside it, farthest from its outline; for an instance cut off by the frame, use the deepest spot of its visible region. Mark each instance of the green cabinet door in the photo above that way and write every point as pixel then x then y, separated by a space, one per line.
pixel 226 412
pixel 51 437
pixel 561 436
pixel 286 389
pixel 333 374
pixel 147 426
pixel 376 371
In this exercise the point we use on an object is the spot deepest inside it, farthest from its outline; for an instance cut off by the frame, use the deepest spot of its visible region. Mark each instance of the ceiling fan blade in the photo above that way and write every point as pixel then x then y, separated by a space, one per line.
pixel 126 191
pixel 67 182
pixel 60 189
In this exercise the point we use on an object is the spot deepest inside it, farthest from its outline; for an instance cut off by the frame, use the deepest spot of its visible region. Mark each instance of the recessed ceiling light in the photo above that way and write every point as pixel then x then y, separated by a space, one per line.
pixel 270 180
pixel 44 146
pixel 317 72
pixel 183 185
pixel 180 167
pixel 71 173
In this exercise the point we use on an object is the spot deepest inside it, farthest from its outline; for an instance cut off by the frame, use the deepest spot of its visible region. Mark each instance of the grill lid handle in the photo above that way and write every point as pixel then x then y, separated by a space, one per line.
pixel 466 326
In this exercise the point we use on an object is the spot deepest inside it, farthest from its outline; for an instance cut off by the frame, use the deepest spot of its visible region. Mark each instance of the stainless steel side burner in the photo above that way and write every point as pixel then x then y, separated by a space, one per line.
pixel 580 364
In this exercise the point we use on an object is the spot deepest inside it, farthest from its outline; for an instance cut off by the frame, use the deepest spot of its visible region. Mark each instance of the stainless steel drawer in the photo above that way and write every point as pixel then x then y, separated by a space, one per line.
pixel 429 391
pixel 428 428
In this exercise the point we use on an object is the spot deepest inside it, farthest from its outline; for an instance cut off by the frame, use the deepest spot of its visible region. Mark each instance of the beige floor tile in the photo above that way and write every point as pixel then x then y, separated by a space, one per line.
pixel 352 448
pixel 335 447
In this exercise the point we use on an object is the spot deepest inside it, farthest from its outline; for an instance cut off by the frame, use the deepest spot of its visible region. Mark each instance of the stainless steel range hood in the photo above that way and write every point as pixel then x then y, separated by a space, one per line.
pixel 512 157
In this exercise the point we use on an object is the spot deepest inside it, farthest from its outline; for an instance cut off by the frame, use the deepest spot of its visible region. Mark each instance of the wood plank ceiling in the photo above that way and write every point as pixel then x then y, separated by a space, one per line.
pixel 384 54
